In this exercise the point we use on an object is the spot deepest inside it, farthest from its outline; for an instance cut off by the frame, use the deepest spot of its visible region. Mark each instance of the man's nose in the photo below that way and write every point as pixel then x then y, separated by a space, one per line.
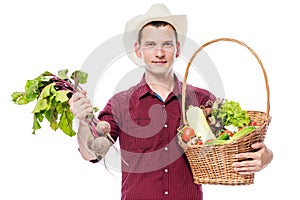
pixel 160 52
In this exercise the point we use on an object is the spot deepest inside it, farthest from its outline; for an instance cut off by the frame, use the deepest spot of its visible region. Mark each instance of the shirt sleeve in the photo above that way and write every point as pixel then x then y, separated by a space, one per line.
pixel 208 96
pixel 199 96
pixel 109 114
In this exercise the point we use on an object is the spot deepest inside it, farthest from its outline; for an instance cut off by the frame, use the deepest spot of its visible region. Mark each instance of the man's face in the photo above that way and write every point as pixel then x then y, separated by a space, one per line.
pixel 158 48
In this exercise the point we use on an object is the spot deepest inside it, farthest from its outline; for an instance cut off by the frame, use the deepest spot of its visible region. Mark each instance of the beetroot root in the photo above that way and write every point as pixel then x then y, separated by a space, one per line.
pixel 100 146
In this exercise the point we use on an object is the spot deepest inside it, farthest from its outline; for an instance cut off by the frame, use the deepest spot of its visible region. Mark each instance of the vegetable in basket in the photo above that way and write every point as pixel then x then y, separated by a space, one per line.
pixel 197 120
pixel 242 132
pixel 225 122
pixel 188 133
pixel 228 115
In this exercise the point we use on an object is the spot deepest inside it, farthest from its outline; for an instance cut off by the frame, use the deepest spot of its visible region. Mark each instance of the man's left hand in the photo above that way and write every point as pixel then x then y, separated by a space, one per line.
pixel 254 161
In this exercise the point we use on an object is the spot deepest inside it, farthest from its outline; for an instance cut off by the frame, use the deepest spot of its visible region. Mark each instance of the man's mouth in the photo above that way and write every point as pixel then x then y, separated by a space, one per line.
pixel 159 62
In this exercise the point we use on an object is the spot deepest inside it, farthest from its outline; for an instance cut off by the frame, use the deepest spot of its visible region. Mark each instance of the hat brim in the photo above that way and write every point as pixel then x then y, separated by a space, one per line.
pixel 179 22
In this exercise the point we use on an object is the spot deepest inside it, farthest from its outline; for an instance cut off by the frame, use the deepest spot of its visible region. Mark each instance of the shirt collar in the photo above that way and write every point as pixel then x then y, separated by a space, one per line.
pixel 144 88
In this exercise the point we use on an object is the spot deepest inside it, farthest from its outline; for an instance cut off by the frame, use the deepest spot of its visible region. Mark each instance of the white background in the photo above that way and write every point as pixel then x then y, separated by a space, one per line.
pixel 51 35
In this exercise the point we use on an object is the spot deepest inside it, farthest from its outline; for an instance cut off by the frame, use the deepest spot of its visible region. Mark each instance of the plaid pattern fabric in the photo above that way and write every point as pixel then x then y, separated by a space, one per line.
pixel 146 128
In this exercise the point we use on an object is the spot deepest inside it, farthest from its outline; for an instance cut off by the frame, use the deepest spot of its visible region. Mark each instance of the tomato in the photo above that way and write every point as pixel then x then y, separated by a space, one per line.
pixel 187 134
pixel 258 124
pixel 253 123
pixel 199 142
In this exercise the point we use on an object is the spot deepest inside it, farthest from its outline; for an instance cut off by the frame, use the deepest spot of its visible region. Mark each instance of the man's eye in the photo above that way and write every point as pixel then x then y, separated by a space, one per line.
pixel 150 44
pixel 168 45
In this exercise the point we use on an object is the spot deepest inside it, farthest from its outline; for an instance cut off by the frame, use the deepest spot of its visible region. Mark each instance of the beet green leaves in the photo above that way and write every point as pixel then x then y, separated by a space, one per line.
pixel 52 93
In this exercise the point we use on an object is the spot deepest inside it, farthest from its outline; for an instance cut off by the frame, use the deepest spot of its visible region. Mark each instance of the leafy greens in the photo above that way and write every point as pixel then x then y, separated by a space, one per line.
pixel 52 93
pixel 226 113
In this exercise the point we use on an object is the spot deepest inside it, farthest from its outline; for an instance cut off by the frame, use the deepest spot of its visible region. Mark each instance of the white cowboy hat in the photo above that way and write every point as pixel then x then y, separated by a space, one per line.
pixel 157 12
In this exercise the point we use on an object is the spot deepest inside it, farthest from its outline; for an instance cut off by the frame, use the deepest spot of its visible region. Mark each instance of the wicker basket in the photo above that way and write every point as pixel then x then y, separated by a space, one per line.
pixel 212 164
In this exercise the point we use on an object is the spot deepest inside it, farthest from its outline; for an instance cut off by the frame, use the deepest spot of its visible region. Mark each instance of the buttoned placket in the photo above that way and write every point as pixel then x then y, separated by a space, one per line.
pixel 165 170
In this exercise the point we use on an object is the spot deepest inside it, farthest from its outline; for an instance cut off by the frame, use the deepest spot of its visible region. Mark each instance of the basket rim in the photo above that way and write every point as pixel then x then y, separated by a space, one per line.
pixel 207 44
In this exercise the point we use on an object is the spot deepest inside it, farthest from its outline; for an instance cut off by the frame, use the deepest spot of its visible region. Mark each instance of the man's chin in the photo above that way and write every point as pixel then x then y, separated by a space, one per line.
pixel 158 69
pixel 160 72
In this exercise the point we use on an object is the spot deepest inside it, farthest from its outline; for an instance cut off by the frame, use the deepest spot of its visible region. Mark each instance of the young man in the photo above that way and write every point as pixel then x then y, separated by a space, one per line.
pixel 145 117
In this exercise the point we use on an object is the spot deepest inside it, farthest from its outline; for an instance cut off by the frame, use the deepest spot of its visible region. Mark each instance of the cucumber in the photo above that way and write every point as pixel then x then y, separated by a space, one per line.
pixel 224 136
pixel 217 142
pixel 242 132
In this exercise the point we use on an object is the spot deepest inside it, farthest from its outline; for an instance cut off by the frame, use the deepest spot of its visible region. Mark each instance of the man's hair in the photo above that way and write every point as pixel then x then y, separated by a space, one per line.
pixel 156 24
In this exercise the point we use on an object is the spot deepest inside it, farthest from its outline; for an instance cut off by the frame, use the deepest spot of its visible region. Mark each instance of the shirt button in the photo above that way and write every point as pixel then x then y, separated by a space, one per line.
pixel 166 170
pixel 166 192
pixel 164 105
pixel 166 148
pixel 166 125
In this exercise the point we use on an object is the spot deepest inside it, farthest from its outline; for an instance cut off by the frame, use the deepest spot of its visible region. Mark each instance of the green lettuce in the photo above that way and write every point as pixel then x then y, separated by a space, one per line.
pixel 225 113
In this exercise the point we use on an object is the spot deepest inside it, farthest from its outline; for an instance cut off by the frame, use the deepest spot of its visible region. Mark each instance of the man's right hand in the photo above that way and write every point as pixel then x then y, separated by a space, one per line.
pixel 80 106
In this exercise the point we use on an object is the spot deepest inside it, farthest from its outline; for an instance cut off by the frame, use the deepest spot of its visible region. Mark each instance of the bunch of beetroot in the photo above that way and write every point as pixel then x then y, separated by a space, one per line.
pixel 52 93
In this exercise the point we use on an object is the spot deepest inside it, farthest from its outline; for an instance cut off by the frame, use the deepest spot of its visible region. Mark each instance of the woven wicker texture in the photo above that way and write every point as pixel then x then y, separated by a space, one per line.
pixel 212 164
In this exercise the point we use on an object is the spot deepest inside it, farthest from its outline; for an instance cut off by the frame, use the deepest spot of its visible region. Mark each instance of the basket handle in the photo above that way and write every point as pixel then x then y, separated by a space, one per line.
pixel 201 48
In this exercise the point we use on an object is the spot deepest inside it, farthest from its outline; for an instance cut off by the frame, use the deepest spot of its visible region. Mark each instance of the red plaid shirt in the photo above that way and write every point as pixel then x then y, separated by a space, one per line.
pixel 146 127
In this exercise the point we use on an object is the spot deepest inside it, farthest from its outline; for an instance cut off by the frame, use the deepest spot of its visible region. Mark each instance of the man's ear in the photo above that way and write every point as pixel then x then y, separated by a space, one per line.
pixel 137 50
pixel 177 49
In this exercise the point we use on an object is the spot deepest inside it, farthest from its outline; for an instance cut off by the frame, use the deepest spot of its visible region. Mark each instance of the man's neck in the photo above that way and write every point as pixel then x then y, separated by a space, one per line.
pixel 162 85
